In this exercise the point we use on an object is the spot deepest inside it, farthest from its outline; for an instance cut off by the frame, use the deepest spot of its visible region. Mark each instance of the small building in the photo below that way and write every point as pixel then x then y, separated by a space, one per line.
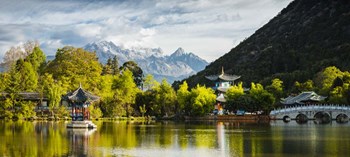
pixel 303 98
pixel 79 101
pixel 223 82
pixel 40 100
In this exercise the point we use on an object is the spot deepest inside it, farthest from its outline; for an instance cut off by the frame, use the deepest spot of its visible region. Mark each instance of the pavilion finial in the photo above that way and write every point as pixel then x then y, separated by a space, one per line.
pixel 222 70
pixel 80 85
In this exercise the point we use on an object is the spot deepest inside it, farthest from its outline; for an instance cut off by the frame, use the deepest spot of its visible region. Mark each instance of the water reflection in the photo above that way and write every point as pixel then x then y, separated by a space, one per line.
pixel 220 130
pixel 161 139
pixel 79 141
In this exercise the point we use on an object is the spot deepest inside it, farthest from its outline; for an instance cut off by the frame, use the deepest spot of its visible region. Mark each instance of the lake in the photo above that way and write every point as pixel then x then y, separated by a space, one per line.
pixel 177 139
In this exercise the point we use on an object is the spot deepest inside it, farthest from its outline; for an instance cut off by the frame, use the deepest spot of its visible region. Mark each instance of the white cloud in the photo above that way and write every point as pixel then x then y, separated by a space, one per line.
pixel 209 28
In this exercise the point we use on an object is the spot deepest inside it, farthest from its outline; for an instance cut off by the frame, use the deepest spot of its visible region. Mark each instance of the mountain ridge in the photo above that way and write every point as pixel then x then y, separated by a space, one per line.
pixel 305 37
pixel 175 66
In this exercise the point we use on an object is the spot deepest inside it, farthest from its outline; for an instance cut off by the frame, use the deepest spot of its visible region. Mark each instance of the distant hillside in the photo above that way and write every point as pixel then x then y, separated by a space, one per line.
pixel 302 39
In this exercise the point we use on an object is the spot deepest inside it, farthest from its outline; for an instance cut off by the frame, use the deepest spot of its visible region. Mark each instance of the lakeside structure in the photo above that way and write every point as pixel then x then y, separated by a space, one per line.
pixel 38 98
pixel 223 82
pixel 79 101
pixel 304 98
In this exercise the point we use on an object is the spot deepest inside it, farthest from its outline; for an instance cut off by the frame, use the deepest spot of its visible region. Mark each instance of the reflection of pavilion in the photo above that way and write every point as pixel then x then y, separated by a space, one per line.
pixel 220 131
pixel 222 83
pixel 79 101
pixel 79 141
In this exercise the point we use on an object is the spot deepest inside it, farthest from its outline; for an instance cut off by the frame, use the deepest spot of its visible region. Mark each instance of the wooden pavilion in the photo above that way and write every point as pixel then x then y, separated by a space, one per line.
pixel 79 101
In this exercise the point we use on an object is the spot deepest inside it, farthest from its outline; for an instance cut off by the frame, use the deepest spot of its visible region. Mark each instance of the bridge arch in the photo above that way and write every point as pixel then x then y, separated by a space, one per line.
pixel 322 117
pixel 286 119
pixel 301 118
pixel 342 118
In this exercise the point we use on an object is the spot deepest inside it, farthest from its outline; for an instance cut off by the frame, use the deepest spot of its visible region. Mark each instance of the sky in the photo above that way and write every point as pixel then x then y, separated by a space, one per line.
pixel 207 28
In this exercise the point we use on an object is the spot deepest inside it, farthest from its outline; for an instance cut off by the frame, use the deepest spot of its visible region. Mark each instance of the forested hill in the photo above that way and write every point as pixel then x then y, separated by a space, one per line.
pixel 304 38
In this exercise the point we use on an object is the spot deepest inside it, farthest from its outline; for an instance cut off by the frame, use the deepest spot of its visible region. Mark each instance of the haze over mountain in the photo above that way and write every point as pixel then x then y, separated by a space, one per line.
pixel 305 37
pixel 176 66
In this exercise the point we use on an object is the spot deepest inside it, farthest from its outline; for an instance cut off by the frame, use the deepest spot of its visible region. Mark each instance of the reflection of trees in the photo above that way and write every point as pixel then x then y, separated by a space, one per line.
pixel 23 138
pixel 116 134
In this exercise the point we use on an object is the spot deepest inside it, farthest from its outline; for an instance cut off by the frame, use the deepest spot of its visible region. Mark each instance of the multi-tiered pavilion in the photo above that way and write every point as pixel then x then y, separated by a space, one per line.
pixel 223 82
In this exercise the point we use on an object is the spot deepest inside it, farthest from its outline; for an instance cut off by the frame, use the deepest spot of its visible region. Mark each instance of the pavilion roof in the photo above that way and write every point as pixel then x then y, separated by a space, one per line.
pixel 302 98
pixel 80 95
pixel 221 98
pixel 223 76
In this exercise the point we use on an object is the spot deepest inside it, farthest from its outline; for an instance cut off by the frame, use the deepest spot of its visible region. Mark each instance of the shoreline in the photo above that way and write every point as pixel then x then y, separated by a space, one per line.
pixel 245 118
pixel 230 118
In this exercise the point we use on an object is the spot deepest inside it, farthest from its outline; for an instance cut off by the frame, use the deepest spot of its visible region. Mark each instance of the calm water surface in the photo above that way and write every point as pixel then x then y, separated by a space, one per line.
pixel 163 139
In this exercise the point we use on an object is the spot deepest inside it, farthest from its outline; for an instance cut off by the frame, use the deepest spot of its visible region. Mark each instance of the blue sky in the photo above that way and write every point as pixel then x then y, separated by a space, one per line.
pixel 208 28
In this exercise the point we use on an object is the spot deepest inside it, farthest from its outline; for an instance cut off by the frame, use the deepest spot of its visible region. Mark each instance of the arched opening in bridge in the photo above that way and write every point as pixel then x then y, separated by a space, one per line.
pixel 322 118
pixel 286 119
pixel 342 118
pixel 301 118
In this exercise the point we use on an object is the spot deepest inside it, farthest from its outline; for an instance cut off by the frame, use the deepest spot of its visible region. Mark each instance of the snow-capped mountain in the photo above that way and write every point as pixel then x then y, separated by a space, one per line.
pixel 176 66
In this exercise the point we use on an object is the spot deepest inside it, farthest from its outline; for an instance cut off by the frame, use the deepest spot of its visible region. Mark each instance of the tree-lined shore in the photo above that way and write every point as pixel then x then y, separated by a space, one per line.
pixel 124 91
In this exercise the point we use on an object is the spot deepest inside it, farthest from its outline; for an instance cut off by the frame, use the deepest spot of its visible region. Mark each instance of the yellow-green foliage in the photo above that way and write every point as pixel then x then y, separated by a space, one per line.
pixel 276 87
pixel 234 92
pixel 202 101
pixel 325 78
pixel 75 66
pixel 183 95
pixel 306 86
pixel 164 99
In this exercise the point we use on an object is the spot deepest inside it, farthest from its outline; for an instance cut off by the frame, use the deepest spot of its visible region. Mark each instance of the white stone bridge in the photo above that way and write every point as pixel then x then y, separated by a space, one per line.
pixel 320 112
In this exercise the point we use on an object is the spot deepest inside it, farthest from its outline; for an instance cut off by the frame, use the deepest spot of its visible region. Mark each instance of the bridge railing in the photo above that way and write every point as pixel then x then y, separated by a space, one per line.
pixel 314 107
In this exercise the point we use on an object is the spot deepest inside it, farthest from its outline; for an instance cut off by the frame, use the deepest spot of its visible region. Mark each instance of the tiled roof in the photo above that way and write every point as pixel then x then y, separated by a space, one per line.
pixel 302 98
pixel 25 96
pixel 80 95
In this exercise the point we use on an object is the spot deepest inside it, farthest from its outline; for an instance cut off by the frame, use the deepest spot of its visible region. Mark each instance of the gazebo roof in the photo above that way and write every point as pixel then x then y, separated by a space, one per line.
pixel 80 95
pixel 223 76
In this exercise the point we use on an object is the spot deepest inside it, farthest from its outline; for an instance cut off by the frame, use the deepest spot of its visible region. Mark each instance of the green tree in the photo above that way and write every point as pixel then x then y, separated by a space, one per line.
pixel 232 95
pixel 26 109
pixel 73 66
pixel 95 112
pixel 136 71
pixel 324 80
pixel 235 91
pixel 12 86
pixel 336 95
pixel 165 100
pixel 306 86
pixel 202 101
pixel 115 66
pixel 111 67
pixel 125 92
pixel 149 82
pixel 28 76
pixel 37 58
pixel 143 110
pixel 54 92
pixel 276 88
pixel 183 97
pixel 107 69
pixel 263 100
pixel 147 98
